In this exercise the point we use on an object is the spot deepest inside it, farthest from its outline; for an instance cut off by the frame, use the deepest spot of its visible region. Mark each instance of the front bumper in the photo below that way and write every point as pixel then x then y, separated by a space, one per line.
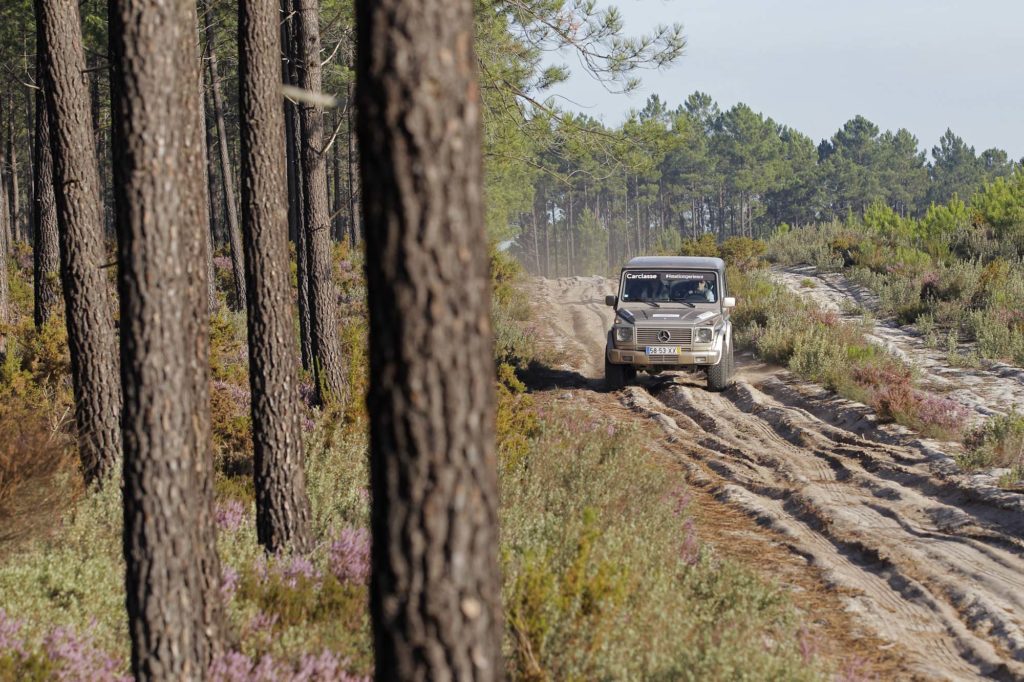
pixel 639 358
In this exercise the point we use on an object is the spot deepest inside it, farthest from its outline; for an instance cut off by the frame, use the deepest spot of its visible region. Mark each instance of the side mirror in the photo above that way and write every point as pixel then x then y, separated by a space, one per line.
pixel 610 300
pixel 729 302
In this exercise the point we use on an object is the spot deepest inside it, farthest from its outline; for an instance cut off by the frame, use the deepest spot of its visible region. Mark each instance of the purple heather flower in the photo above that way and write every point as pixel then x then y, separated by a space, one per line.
pixel 228 583
pixel 77 658
pixel 237 667
pixel 349 555
pixel 295 567
pixel 10 639
pixel 230 515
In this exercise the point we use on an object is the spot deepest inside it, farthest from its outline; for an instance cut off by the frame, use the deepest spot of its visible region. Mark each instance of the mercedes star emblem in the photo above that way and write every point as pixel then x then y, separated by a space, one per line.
pixel 664 336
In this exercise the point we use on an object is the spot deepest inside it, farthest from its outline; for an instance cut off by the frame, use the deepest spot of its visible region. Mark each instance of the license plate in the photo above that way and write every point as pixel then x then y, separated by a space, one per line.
pixel 663 350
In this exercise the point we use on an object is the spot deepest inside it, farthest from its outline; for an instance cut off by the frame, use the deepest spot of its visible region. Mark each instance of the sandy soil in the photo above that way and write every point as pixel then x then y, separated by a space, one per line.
pixel 925 562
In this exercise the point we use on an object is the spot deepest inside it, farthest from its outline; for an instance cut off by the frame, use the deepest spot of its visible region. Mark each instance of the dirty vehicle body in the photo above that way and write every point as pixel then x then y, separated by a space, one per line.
pixel 671 313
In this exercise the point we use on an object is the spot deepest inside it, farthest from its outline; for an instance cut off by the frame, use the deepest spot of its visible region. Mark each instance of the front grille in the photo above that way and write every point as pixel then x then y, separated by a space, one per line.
pixel 663 359
pixel 676 337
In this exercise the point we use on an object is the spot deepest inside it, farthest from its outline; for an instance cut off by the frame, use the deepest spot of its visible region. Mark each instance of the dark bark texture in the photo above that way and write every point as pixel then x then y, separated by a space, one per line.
pixel 170 582
pixel 211 214
pixel 46 251
pixel 282 507
pixel 5 294
pixel 435 587
pixel 293 145
pixel 88 310
pixel 226 174
pixel 6 238
pixel 328 367
pixel 195 228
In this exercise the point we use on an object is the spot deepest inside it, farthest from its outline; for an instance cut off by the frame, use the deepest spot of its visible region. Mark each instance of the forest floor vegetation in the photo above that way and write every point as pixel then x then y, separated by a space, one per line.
pixel 606 574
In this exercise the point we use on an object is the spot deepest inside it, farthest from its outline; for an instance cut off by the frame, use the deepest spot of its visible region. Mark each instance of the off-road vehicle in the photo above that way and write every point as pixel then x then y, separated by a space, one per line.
pixel 671 313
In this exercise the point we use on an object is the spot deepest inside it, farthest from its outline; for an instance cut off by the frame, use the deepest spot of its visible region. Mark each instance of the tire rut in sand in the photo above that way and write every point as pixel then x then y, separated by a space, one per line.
pixel 918 555
pixel 924 572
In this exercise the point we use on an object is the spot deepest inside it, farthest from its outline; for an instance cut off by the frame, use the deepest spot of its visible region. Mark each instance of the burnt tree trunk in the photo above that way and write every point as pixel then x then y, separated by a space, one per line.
pixel 328 369
pixel 293 145
pixel 46 251
pixel 171 567
pixel 435 595
pixel 282 507
pixel 226 174
pixel 88 311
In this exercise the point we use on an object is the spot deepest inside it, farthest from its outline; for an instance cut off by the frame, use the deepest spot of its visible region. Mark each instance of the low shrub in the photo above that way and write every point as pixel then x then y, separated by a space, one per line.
pixel 999 442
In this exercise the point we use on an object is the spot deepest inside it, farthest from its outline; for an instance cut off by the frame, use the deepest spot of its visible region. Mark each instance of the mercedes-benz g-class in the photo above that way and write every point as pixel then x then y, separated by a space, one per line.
pixel 671 313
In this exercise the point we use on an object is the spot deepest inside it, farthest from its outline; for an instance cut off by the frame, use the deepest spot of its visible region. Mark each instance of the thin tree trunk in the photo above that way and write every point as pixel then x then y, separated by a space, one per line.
pixel 30 189
pixel 46 254
pixel 435 595
pixel 353 214
pixel 5 293
pixel 196 238
pixel 5 219
pixel 328 370
pixel 88 311
pixel 171 586
pixel 338 222
pixel 282 507
pixel 211 211
pixel 12 178
pixel 227 177
pixel 293 145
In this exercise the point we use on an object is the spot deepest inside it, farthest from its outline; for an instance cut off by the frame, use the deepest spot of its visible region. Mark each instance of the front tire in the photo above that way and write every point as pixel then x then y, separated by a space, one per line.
pixel 615 376
pixel 720 376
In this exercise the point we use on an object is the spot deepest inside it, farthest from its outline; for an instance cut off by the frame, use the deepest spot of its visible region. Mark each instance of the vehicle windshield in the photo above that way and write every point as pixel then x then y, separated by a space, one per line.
pixel 683 286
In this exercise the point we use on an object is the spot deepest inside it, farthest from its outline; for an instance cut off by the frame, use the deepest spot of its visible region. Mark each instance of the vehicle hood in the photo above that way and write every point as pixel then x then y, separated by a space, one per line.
pixel 670 316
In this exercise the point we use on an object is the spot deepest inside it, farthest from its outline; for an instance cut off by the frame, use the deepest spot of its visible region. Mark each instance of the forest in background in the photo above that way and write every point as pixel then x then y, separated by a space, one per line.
pixel 568 193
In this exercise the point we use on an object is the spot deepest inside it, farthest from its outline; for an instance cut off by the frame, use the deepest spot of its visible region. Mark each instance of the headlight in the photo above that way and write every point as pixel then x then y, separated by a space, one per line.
pixel 705 335
pixel 623 334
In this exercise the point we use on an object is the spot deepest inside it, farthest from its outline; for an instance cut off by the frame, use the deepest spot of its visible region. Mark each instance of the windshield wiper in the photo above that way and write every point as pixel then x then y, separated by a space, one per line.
pixel 652 303
pixel 685 303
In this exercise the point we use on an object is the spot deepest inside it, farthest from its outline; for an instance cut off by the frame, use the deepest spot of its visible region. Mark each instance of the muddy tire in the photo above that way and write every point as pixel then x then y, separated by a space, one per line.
pixel 615 376
pixel 720 376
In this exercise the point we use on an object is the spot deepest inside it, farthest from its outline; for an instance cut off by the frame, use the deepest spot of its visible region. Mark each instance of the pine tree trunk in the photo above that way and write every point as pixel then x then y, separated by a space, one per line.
pixel 336 218
pixel 293 145
pixel 88 311
pixel 5 293
pixel 211 192
pixel 46 251
pixel 227 176
pixel 30 162
pixel 328 369
pixel 435 588
pixel 353 177
pixel 195 235
pixel 282 507
pixel 12 178
pixel 172 574
pixel 6 238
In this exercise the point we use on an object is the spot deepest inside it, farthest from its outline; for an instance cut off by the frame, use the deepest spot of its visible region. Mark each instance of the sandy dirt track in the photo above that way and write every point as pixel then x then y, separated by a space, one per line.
pixel 922 558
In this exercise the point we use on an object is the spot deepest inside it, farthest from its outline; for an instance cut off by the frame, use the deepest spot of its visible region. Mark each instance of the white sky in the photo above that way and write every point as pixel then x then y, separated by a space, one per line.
pixel 924 65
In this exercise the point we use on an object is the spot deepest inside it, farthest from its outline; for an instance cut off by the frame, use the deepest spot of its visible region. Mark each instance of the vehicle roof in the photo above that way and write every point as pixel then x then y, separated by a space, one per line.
pixel 658 262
